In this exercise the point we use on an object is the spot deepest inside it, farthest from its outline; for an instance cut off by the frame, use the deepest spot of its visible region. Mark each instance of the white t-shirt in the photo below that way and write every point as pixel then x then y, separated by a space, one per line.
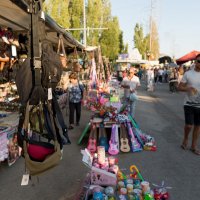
pixel 133 83
pixel 192 78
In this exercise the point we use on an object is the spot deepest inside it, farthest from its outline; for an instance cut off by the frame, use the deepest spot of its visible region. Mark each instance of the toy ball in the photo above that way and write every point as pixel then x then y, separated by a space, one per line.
pixel 97 196
pixel 148 197
pixel 109 191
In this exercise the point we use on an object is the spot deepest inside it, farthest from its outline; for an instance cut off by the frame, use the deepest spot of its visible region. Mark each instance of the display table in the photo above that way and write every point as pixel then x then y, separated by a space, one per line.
pixel 9 150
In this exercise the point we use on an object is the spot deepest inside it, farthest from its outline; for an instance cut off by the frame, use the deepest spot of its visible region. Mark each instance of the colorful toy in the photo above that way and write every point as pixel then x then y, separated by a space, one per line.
pixel 114 141
pixel 124 143
pixel 148 196
pixel 135 145
pixel 160 192
pixel 134 168
pixel 84 132
pixel 136 132
pixel 92 142
pixel 98 196
pixel 121 175
pixel 102 137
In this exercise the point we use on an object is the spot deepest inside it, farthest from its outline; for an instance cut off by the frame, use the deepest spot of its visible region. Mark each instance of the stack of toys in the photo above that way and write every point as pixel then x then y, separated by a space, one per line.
pixel 108 182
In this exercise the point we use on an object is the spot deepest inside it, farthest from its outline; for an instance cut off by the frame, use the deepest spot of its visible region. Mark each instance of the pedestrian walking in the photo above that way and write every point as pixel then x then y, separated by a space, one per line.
pixel 173 80
pixel 75 90
pixel 130 84
pixel 190 84
pixel 150 79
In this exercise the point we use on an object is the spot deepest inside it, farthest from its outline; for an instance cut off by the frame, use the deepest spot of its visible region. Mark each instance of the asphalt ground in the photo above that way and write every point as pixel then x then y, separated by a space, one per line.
pixel 159 114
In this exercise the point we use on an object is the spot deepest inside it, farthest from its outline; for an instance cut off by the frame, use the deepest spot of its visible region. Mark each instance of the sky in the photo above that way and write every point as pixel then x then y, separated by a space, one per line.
pixel 178 23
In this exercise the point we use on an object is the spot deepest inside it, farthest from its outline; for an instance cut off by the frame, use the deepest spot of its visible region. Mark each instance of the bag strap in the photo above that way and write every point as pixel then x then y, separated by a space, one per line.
pixel 61 120
pixel 75 54
pixel 61 45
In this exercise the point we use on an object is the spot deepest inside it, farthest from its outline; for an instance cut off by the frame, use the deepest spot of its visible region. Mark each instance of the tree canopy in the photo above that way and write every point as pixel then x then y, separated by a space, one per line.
pixel 142 42
pixel 69 14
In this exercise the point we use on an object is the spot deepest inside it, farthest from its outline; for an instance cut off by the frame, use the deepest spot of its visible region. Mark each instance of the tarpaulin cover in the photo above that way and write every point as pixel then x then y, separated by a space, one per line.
pixel 188 57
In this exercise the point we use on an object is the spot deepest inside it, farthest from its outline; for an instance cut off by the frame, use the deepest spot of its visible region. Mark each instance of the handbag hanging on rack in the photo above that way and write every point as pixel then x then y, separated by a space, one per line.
pixel 76 66
pixel 61 51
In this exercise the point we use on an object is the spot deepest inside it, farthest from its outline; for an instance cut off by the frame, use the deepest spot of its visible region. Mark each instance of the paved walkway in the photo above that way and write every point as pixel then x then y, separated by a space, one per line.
pixel 159 114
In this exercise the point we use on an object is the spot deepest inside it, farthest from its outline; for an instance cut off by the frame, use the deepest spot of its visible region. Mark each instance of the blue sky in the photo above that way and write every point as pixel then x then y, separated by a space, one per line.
pixel 178 22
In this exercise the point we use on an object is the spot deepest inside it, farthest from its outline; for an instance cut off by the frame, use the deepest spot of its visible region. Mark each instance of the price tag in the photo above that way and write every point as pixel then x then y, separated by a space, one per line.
pixel 25 179
pixel 49 93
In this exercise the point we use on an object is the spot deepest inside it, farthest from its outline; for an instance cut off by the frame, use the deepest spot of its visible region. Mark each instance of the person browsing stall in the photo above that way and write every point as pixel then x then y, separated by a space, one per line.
pixel 130 84
pixel 190 84
pixel 75 90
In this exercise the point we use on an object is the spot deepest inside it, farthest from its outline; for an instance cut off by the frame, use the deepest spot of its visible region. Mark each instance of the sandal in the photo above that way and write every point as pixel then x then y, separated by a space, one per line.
pixel 195 151
pixel 184 147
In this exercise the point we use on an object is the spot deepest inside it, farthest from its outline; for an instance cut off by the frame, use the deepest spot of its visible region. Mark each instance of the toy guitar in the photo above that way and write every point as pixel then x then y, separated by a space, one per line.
pixel 124 144
pixel 92 142
pixel 114 141
pixel 137 132
pixel 102 137
pixel 135 146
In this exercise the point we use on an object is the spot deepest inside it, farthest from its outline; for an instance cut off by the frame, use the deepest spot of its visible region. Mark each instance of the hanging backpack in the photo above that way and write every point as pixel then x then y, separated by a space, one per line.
pixel 41 121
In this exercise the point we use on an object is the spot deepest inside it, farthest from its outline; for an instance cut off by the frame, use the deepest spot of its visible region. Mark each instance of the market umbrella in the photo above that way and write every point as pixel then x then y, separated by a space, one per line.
pixel 188 57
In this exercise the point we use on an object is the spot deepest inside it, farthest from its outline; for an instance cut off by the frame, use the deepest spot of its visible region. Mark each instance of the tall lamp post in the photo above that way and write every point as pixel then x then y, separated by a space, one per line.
pixel 84 26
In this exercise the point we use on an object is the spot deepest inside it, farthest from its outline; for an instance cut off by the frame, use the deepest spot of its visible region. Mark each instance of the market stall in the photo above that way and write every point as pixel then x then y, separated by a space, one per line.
pixel 111 125
pixel 15 40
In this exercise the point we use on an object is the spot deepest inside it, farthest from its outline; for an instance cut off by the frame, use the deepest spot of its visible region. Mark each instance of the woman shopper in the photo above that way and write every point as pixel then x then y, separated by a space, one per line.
pixel 75 91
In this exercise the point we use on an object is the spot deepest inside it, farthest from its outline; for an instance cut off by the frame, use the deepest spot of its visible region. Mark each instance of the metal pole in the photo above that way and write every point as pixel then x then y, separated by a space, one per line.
pixel 150 38
pixel 84 26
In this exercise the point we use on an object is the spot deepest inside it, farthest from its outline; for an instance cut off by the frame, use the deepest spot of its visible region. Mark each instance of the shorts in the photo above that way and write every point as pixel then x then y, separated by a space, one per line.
pixel 192 115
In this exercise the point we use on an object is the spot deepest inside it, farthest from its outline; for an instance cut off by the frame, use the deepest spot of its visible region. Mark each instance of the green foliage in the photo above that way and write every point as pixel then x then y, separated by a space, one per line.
pixel 126 48
pixel 155 49
pixel 143 42
pixel 69 14
pixel 110 39
pixel 121 44
pixel 58 10
pixel 75 10
pixel 139 40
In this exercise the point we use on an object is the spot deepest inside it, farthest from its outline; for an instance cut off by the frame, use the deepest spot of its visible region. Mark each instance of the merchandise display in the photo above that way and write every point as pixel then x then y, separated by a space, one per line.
pixel 107 181
pixel 111 118
pixel 9 149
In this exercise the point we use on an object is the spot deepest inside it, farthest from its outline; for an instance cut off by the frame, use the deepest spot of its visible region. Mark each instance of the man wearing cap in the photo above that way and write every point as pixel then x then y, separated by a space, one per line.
pixel 130 84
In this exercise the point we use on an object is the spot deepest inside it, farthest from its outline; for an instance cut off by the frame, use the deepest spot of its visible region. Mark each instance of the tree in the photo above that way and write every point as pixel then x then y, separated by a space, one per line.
pixel 121 44
pixel 155 49
pixel 58 10
pixel 94 20
pixel 139 40
pixel 143 42
pixel 126 48
pixel 110 39
pixel 75 10
pixel 69 14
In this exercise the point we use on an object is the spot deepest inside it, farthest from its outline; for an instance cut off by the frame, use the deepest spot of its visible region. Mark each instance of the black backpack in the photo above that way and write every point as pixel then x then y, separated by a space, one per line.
pixel 41 131
pixel 51 66
pixel 50 77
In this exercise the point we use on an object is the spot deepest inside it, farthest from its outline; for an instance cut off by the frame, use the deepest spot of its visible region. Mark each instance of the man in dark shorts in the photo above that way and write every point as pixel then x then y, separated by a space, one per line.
pixel 190 84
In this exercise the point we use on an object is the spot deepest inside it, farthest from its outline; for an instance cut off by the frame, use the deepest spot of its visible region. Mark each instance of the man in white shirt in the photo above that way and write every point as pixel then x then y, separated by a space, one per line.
pixel 130 84
pixel 190 84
